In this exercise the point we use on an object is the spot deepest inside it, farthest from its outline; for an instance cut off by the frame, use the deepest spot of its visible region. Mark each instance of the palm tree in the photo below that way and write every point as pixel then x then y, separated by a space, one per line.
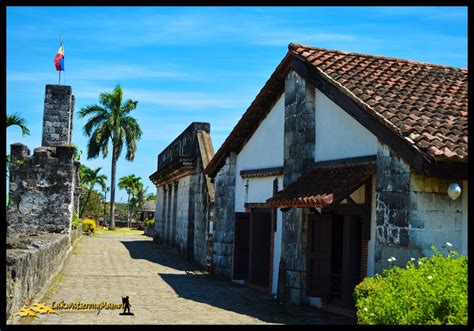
pixel 129 184
pixel 17 120
pixel 91 178
pixel 111 122
pixel 139 196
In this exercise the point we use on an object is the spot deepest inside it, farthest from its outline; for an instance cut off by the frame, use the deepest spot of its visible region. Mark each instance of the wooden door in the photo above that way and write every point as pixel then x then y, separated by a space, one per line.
pixel 241 246
pixel 260 248
pixel 319 255
pixel 351 258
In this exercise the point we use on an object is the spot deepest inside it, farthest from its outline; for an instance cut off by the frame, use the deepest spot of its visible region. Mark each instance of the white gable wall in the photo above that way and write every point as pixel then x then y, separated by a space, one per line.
pixel 263 150
pixel 339 135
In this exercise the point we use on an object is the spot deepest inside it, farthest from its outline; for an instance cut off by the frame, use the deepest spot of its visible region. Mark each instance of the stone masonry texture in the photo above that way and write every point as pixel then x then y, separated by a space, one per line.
pixel 413 212
pixel 223 238
pixel 299 147
pixel 31 261
pixel 183 201
pixel 42 190
pixel 57 115
pixel 392 187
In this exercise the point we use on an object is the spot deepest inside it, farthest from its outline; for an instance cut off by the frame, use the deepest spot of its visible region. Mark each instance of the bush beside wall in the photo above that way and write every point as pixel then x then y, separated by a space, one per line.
pixel 428 291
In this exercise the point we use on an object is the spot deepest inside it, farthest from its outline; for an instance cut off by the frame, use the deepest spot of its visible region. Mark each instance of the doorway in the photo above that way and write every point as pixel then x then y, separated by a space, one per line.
pixel 334 258
pixel 253 248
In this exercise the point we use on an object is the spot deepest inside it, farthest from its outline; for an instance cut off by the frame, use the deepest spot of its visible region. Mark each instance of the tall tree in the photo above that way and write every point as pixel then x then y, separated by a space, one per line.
pixel 139 197
pixel 111 122
pixel 89 179
pixel 16 119
pixel 129 184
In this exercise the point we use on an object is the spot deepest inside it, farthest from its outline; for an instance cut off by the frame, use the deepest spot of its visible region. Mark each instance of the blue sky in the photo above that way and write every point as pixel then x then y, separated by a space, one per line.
pixel 202 64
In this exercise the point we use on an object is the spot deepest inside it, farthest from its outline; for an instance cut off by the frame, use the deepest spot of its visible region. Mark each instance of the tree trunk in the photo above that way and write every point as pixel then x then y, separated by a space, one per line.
pixel 112 191
pixel 128 210
pixel 85 203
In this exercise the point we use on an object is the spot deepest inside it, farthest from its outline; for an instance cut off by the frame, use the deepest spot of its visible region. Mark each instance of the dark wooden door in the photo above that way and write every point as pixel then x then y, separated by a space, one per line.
pixel 241 246
pixel 319 255
pixel 351 258
pixel 260 248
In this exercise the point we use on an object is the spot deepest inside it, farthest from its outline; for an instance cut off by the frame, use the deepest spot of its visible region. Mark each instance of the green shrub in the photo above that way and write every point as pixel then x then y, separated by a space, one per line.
pixel 150 223
pixel 432 291
pixel 75 222
pixel 88 225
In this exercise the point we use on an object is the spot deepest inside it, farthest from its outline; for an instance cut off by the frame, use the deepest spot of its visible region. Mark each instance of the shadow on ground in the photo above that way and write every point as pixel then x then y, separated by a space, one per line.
pixel 149 250
pixel 243 300
pixel 201 287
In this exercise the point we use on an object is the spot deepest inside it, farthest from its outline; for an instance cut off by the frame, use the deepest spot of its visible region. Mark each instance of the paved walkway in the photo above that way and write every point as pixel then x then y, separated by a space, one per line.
pixel 163 289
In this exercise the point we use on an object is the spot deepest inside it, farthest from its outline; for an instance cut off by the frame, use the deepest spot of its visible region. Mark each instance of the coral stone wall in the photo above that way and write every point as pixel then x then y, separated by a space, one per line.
pixel 42 190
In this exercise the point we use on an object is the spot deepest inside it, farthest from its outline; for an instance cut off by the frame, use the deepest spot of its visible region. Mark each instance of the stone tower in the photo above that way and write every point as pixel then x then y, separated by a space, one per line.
pixel 44 187
pixel 57 115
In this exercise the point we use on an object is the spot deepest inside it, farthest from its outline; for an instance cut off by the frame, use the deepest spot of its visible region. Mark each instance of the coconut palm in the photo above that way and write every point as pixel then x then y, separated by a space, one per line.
pixel 129 184
pixel 89 179
pixel 139 196
pixel 19 121
pixel 111 122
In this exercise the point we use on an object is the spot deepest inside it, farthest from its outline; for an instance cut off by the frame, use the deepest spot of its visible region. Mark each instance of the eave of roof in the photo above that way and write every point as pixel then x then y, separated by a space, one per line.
pixel 253 116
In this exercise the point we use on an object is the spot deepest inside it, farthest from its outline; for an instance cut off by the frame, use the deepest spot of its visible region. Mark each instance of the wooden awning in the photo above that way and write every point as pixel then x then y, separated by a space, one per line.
pixel 322 186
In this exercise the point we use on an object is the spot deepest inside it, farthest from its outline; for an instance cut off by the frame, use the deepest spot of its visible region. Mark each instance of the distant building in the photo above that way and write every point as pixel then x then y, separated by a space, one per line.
pixel 185 195
pixel 148 210
pixel 341 161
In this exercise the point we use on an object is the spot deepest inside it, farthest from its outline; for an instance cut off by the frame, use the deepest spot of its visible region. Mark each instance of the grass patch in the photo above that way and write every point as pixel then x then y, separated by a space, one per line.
pixel 98 231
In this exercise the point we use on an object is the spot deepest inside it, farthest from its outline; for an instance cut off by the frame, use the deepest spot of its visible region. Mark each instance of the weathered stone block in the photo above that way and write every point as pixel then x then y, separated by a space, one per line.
pixel 398 217
pixel 18 151
pixel 416 219
pixel 431 185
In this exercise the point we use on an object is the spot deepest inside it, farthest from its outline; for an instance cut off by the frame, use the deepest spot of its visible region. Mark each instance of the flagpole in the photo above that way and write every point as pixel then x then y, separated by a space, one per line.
pixel 61 41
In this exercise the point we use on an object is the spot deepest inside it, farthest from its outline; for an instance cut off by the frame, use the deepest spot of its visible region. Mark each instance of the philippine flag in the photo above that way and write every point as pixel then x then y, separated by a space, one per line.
pixel 59 59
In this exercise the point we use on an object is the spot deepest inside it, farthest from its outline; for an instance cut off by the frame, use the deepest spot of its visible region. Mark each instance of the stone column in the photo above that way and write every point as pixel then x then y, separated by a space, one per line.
pixel 57 116
pixel 392 196
pixel 224 214
pixel 299 147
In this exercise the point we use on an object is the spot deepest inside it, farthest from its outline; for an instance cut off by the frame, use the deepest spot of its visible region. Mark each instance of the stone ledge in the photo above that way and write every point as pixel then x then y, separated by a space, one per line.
pixel 31 263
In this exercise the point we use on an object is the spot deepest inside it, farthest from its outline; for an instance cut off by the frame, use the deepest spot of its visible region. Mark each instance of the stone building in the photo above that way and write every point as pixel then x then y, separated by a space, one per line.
pixel 341 161
pixel 185 195
pixel 148 211
pixel 44 187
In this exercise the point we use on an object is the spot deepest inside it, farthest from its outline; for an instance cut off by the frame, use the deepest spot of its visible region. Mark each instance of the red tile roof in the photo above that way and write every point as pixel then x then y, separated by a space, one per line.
pixel 425 103
pixel 322 186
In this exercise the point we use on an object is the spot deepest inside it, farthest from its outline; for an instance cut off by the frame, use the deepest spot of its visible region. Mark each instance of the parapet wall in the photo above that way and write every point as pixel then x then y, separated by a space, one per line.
pixel 42 190
pixel 31 262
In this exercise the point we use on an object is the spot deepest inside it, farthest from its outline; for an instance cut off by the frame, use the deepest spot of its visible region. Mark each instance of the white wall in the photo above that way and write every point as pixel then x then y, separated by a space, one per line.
pixel 265 147
pixel 259 190
pixel 339 135
pixel 435 218
pixel 263 150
